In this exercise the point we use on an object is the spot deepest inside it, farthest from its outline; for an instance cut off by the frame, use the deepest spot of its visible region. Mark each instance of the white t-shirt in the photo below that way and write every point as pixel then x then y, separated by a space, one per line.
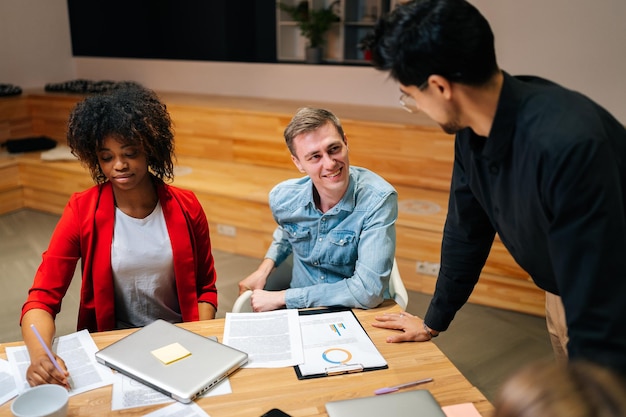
pixel 143 270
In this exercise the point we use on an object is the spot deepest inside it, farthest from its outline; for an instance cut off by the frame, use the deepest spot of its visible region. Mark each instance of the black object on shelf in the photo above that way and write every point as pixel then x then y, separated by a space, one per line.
pixel 30 144
pixel 88 86
pixel 9 90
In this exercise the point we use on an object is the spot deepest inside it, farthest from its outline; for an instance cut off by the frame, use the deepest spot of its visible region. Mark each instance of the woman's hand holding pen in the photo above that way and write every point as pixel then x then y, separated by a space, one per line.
pixel 43 371
pixel 45 367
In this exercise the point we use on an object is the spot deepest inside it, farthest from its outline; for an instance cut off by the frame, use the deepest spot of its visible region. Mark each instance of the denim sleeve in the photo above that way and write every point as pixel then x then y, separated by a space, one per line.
pixel 376 250
pixel 280 248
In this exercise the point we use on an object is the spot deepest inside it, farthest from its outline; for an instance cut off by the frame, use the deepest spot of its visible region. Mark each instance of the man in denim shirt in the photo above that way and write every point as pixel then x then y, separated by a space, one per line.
pixel 338 221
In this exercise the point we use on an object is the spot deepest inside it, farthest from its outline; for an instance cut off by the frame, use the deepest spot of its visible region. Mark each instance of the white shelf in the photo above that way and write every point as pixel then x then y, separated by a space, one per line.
pixel 343 38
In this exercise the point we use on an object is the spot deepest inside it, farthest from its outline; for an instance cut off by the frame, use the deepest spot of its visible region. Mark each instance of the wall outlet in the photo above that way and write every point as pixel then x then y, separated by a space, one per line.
pixel 427 268
pixel 226 230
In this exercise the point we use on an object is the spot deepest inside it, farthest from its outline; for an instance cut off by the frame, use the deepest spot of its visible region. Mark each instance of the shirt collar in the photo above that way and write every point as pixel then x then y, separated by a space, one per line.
pixel 497 145
pixel 347 202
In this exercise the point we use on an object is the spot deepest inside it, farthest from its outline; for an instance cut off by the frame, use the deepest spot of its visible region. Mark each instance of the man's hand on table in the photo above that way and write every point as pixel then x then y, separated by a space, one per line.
pixel 412 327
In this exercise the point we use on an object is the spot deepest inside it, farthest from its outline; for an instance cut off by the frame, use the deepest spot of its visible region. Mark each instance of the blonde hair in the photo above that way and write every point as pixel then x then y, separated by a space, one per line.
pixel 575 389
pixel 309 119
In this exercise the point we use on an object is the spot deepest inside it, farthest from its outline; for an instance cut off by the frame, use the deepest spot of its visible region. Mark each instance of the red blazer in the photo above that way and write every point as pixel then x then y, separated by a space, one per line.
pixel 85 232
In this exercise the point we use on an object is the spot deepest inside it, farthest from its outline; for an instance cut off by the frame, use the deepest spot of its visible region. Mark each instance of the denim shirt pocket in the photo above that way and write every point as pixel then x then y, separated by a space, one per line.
pixel 299 237
pixel 343 247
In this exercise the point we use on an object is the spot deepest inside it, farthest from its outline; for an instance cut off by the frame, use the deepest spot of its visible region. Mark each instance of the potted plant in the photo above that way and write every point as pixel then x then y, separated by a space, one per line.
pixel 313 24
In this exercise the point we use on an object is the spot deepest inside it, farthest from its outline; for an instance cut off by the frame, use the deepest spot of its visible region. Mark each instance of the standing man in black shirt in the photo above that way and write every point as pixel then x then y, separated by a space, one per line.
pixel 543 166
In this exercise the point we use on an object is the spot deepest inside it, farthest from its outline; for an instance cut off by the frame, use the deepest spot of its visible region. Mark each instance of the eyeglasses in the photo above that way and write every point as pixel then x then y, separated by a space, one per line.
pixel 408 103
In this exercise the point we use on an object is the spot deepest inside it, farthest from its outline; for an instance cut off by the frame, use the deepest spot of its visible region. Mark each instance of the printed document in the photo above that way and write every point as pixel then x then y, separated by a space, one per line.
pixel 129 393
pixel 78 351
pixel 8 388
pixel 179 410
pixel 271 339
pixel 335 342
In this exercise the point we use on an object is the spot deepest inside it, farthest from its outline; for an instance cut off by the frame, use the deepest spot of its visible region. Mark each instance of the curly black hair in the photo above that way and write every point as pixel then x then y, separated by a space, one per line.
pixel 132 115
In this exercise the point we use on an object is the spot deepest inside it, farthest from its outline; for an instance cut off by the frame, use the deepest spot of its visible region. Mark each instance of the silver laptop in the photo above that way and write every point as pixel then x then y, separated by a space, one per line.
pixel 172 360
pixel 417 403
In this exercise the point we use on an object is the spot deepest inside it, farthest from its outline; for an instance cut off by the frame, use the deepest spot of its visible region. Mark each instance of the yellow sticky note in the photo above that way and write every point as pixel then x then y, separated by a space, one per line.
pixel 171 353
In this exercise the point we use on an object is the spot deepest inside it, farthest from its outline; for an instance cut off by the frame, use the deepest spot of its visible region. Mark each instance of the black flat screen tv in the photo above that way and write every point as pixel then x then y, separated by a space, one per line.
pixel 203 30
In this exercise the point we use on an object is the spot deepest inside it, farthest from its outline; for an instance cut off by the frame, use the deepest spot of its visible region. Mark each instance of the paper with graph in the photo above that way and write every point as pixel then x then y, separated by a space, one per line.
pixel 334 342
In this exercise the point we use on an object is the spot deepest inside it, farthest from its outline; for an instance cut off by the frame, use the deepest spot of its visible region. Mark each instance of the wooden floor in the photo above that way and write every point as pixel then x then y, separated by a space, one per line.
pixel 486 344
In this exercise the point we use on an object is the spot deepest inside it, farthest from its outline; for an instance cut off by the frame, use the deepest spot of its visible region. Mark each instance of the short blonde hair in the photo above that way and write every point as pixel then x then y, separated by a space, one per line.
pixel 309 119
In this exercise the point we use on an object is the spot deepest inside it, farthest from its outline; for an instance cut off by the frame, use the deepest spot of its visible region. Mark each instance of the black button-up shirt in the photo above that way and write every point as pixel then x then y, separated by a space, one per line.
pixel 551 181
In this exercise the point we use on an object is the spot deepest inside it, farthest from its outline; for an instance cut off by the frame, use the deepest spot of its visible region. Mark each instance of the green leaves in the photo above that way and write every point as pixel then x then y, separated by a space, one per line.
pixel 313 23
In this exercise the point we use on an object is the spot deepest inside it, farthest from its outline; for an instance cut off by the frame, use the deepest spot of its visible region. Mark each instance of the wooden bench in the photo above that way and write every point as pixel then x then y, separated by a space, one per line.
pixel 230 152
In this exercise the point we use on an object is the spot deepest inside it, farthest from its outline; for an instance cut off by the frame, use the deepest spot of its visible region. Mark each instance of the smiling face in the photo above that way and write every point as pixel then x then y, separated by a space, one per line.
pixel 124 165
pixel 322 154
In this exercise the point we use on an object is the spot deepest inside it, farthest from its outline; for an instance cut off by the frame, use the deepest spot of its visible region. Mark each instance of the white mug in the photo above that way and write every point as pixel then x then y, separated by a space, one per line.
pixel 46 400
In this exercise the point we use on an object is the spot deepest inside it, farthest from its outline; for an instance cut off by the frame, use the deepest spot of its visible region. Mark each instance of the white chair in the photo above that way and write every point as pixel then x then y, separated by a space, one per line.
pixel 242 303
pixel 396 287
pixel 278 280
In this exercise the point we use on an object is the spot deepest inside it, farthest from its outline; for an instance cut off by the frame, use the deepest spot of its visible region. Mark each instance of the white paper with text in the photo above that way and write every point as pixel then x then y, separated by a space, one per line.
pixel 271 339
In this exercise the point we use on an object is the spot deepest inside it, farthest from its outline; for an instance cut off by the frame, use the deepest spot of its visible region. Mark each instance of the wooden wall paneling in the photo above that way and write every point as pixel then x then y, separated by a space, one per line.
pixel 48 185
pixel 421 208
pixel 50 114
pixel 425 246
pixel 247 182
pixel 63 177
pixel 225 135
pixel 11 197
pixel 230 211
pixel 15 118
pixel 196 145
pixel 16 129
pixel 45 200
pixel 9 174
pixel 246 242
pixel 5 130
pixel 11 200
pixel 14 108
pixel 509 294
pixel 258 140
pixel 413 280
pixel 258 126
pixel 404 155
pixel 201 133
pixel 265 153
pixel 491 290
pixel 419 245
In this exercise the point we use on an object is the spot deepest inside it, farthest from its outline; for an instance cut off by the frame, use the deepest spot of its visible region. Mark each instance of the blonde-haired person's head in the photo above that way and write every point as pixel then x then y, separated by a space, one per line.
pixel 575 389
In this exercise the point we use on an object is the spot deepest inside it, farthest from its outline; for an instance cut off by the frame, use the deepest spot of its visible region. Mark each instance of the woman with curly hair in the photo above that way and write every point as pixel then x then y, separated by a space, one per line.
pixel 143 244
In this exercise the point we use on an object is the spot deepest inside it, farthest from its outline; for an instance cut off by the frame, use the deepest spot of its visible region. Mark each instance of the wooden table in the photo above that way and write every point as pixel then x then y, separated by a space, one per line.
pixel 255 391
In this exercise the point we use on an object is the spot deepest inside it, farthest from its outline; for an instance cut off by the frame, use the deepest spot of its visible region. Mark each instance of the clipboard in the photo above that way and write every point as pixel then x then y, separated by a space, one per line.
pixel 340 346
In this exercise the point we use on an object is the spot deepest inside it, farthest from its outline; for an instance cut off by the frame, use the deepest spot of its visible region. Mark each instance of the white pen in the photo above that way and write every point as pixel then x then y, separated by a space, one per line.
pixel 387 390
pixel 48 352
